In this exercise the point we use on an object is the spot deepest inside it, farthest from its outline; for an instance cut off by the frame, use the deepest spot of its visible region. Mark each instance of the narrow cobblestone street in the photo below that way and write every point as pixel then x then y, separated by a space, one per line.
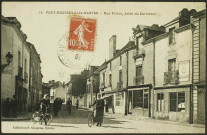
pixel 113 123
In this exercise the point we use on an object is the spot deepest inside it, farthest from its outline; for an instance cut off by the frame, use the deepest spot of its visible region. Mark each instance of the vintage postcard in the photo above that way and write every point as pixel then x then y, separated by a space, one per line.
pixel 103 67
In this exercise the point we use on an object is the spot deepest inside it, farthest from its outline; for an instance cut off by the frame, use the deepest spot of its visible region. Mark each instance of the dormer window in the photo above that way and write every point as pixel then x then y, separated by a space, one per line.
pixel 172 35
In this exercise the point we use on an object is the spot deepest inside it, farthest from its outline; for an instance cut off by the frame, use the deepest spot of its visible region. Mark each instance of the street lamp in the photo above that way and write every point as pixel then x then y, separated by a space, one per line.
pixel 9 59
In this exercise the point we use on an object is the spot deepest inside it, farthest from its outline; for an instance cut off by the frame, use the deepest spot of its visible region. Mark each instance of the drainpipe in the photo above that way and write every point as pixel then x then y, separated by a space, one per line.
pixel 191 88
pixel 153 79
pixel 126 92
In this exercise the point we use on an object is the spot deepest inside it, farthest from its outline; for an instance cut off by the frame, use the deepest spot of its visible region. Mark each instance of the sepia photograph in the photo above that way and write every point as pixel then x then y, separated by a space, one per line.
pixel 103 67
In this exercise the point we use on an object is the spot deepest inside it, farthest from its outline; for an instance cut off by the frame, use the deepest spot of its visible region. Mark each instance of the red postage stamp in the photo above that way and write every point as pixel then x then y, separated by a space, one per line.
pixel 82 34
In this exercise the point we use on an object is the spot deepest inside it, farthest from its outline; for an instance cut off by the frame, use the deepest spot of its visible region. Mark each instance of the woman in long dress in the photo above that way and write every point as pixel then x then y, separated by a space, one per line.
pixel 80 32
pixel 99 110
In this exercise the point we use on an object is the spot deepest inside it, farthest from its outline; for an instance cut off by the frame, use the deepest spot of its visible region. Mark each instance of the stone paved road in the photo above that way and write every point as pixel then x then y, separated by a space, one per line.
pixel 77 123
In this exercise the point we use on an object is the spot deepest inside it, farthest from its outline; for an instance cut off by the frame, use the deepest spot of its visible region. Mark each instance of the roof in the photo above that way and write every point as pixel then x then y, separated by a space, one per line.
pixel 92 71
pixel 200 13
pixel 33 47
pixel 191 12
pixel 130 45
pixel 155 27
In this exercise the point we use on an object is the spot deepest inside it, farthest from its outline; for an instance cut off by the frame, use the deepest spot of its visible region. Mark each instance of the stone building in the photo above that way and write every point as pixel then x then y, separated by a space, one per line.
pixel 140 77
pixel 15 77
pixel 35 80
pixel 199 67
pixel 92 84
pixel 113 75
pixel 163 74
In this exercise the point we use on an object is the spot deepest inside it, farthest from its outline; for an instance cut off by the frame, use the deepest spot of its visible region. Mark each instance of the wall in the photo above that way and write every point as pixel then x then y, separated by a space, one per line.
pixel 181 50
pixel 166 114
pixel 131 68
pixel 203 50
pixel 8 75
pixel 60 92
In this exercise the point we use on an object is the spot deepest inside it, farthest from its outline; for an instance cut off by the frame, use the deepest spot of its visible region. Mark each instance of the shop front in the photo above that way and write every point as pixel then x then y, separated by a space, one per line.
pixel 115 101
pixel 172 104
pixel 139 101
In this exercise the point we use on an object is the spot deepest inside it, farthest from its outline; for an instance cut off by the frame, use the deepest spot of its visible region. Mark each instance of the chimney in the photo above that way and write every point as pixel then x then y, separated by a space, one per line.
pixel 53 82
pixel 112 46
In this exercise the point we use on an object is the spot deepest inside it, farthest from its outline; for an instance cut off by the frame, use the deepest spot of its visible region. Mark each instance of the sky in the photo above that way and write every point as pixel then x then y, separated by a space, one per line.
pixel 44 29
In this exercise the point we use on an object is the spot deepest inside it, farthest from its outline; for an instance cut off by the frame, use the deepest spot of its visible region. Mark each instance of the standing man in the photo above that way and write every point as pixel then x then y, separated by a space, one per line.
pixel 69 105
pixel 14 107
pixel 77 103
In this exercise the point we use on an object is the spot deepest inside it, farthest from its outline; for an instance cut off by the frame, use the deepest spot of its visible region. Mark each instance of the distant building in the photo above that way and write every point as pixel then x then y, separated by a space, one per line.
pixel 45 89
pixel 92 87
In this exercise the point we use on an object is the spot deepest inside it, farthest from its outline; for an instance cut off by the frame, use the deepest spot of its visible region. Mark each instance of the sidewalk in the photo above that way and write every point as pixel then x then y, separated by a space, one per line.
pixel 130 117
pixel 20 117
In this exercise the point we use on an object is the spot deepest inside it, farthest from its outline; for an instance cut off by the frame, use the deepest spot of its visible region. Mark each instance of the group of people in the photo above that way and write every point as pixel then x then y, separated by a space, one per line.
pixel 10 107
pixel 43 106
pixel 57 105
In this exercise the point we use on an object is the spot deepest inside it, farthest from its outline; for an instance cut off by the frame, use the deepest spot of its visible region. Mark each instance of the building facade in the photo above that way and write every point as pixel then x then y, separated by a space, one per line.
pixel 163 74
pixel 113 75
pixel 140 91
pixel 199 67
pixel 15 77
pixel 92 87
pixel 35 80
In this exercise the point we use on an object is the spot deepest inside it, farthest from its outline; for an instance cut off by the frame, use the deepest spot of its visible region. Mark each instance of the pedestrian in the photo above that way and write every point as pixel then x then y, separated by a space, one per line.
pixel 107 106
pixel 45 104
pixel 60 102
pixel 99 110
pixel 69 105
pixel 7 107
pixel 55 107
pixel 77 103
pixel 13 104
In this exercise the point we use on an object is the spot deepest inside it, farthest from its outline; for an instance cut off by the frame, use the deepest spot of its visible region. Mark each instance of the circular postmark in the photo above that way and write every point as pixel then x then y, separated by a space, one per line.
pixel 73 58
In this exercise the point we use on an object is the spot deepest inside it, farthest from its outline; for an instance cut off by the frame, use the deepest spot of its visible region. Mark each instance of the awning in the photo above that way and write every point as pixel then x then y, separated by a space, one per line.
pixel 113 91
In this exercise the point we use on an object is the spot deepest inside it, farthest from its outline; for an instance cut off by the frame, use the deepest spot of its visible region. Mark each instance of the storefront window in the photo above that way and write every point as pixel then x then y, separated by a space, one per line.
pixel 146 100
pixel 177 102
pixel 160 102
pixel 173 102
pixel 138 99
pixel 181 102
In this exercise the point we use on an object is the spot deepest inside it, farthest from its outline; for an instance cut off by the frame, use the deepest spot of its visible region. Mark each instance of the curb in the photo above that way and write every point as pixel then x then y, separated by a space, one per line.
pixel 15 119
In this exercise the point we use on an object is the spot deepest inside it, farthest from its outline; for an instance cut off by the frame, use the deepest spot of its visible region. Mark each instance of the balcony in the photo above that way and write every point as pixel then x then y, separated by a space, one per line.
pixel 25 77
pixel 171 77
pixel 138 80
pixel 120 85
pixel 139 53
pixel 20 72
